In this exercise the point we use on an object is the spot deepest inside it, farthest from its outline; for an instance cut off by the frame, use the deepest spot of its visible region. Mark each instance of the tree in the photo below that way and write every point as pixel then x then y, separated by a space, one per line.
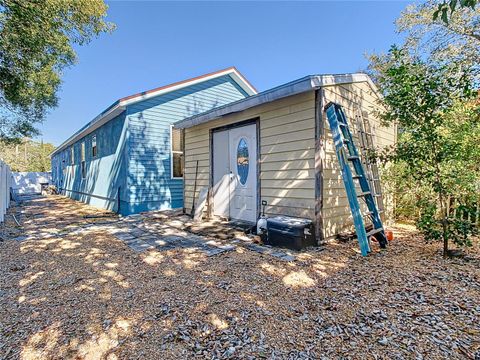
pixel 447 8
pixel 27 155
pixel 441 42
pixel 36 45
pixel 436 109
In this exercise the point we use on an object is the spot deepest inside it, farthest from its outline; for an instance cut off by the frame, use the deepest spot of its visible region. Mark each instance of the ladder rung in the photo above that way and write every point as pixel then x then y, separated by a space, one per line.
pixel 374 231
pixel 371 212
pixel 363 168
pixel 364 193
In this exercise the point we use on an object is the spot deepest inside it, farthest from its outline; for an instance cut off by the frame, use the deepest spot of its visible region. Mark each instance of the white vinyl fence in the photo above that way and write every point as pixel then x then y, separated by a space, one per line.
pixel 30 182
pixel 5 184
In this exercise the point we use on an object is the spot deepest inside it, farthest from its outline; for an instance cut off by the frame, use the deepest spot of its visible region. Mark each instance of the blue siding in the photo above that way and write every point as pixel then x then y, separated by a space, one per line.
pixel 149 165
pixel 134 151
pixel 105 173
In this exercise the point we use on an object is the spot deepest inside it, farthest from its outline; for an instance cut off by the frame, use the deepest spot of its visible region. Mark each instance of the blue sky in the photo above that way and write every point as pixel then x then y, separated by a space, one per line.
pixel 157 43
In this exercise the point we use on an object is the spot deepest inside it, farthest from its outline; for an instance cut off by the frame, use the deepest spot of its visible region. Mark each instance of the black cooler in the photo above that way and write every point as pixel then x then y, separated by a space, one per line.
pixel 289 232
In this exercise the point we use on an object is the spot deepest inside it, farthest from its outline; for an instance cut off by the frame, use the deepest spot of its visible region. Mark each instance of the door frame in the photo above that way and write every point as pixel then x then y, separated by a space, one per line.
pixel 251 121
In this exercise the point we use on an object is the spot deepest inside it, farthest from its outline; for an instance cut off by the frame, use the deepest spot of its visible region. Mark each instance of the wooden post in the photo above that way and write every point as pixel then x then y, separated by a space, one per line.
pixel 210 203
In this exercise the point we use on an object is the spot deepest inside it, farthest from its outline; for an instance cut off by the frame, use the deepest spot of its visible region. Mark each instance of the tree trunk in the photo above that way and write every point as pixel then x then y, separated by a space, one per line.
pixel 444 216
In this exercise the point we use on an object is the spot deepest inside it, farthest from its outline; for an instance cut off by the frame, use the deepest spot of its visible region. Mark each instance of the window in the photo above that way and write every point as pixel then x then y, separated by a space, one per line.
pixel 176 140
pixel 82 159
pixel 94 145
pixel 242 161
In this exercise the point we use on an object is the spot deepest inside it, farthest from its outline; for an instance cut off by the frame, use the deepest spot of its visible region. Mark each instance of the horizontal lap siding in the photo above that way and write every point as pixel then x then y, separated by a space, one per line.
pixel 352 97
pixel 287 141
pixel 105 173
pixel 149 163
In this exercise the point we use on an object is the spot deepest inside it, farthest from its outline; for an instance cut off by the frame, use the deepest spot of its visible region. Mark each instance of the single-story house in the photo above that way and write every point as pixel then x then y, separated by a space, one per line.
pixel 277 146
pixel 129 158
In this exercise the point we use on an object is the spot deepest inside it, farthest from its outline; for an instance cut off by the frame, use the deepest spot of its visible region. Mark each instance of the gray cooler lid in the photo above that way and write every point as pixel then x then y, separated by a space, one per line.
pixel 289 221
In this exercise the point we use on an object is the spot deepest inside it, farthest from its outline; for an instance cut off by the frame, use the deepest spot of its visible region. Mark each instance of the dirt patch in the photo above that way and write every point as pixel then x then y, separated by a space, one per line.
pixel 88 295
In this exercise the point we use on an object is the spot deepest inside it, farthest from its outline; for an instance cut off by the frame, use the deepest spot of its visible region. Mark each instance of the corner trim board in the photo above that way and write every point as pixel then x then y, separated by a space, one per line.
pixel 319 163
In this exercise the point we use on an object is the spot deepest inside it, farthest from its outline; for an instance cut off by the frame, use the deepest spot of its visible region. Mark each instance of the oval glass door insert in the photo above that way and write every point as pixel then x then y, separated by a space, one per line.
pixel 242 161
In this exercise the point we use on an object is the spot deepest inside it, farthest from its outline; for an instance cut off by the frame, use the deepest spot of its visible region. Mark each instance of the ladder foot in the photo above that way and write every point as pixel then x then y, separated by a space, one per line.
pixel 382 240
pixel 346 151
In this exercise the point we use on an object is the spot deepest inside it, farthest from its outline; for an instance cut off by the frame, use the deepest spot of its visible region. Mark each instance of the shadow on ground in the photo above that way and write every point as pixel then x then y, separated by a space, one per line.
pixel 86 294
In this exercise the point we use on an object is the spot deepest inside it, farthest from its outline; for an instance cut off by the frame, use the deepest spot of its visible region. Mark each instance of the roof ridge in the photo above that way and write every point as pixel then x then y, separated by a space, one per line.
pixel 144 95
pixel 176 83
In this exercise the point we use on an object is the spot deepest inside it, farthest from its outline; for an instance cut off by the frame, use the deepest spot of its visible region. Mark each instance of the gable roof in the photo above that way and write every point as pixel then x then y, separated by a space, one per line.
pixel 307 83
pixel 120 105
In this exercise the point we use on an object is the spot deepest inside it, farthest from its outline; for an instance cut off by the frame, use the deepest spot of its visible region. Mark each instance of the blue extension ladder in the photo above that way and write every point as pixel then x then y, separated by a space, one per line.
pixel 348 157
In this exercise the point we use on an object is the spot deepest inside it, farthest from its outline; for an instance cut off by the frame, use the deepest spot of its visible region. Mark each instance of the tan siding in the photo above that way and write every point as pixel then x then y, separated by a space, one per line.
pixel 353 98
pixel 286 119
pixel 287 142
pixel 294 184
pixel 281 129
pixel 287 156
pixel 292 146
pixel 285 174
pixel 300 164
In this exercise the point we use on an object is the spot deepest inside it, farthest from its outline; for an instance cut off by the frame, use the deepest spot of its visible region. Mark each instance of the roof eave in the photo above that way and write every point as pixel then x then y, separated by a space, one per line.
pixel 100 120
pixel 119 106
pixel 299 86
pixel 295 87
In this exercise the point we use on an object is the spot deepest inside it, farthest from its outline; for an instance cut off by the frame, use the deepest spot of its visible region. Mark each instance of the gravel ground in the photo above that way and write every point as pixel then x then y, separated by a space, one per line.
pixel 70 295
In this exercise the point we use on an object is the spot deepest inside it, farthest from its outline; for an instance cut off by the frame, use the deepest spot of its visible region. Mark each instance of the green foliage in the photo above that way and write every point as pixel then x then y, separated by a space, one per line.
pixel 438 152
pixel 446 9
pixel 36 45
pixel 27 155
pixel 439 42
pixel 460 228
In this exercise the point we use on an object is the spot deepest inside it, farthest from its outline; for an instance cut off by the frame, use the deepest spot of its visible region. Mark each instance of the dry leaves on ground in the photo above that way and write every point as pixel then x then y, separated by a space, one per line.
pixel 89 296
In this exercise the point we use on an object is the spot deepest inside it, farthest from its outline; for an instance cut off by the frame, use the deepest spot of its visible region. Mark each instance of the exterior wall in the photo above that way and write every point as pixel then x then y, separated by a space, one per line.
pixel 57 169
pixel 354 98
pixel 105 173
pixel 287 143
pixel 149 180
pixel 134 151
pixel 287 154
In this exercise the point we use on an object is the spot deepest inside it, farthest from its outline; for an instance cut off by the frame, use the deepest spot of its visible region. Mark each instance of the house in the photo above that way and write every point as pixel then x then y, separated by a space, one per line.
pixel 276 146
pixel 129 159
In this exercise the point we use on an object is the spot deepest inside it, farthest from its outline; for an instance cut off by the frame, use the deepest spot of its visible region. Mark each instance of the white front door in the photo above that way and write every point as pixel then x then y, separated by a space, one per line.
pixel 221 174
pixel 235 173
